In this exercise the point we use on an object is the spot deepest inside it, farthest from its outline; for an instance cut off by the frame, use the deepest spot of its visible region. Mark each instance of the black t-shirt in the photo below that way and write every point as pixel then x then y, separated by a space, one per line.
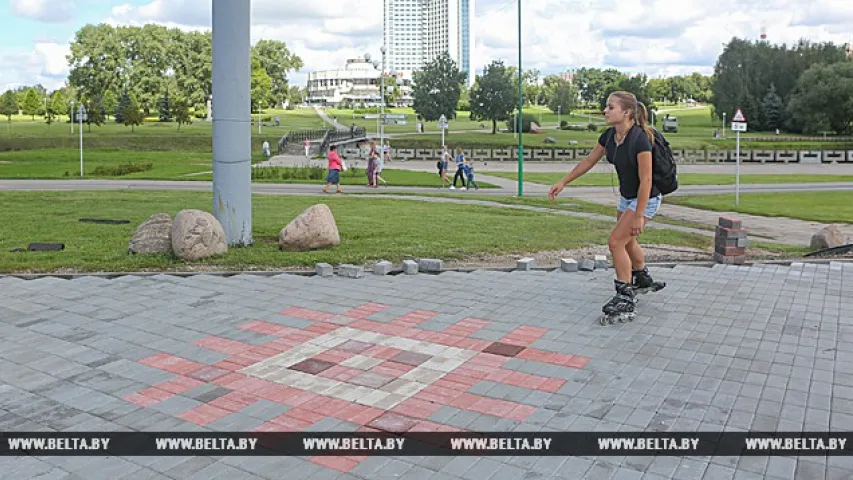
pixel 624 158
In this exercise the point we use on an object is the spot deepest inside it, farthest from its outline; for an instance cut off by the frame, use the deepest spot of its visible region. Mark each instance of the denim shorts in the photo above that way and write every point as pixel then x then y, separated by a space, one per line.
pixel 651 207
pixel 334 177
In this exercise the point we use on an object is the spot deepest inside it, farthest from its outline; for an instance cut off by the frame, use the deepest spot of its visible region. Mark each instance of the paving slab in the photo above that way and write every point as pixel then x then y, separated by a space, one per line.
pixel 721 348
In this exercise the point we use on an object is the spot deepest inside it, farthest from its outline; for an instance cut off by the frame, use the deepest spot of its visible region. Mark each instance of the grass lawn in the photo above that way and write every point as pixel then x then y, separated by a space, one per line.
pixel 696 132
pixel 825 207
pixel 24 134
pixel 169 165
pixel 370 228
pixel 594 179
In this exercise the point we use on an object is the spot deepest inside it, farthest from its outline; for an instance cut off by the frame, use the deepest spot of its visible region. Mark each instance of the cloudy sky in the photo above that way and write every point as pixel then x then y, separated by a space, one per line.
pixel 658 37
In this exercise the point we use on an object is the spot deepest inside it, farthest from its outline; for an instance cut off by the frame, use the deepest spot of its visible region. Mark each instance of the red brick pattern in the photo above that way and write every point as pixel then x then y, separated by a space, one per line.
pixel 307 408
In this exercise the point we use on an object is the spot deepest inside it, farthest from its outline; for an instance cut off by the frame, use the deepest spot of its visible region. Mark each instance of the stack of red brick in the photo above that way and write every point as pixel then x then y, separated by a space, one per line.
pixel 730 242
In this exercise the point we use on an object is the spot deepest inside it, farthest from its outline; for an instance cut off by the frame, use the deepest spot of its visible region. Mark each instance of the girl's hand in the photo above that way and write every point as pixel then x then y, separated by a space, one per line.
pixel 555 190
pixel 637 226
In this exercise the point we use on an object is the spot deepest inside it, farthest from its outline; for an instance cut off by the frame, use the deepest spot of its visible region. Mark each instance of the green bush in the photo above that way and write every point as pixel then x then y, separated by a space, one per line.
pixel 592 127
pixel 526 120
pixel 563 123
pixel 289 173
pixel 123 169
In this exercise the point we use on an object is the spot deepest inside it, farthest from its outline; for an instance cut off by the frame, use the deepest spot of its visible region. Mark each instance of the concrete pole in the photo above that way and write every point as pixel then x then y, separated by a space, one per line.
pixel 232 134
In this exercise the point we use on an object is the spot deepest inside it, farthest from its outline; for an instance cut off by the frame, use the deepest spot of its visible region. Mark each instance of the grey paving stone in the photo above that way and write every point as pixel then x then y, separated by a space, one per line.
pixel 458 466
pixel 265 410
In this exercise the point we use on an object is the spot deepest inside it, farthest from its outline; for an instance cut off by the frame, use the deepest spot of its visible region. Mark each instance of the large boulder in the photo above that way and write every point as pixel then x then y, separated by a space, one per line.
pixel 549 140
pixel 312 229
pixel 829 236
pixel 153 236
pixel 197 235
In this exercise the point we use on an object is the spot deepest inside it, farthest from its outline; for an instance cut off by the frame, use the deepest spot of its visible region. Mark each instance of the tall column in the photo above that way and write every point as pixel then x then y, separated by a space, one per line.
pixel 232 136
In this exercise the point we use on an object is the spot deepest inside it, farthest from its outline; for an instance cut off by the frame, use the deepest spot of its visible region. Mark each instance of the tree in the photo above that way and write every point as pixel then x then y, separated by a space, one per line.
pixel 95 112
pixel 110 102
pixel 32 104
pixel 744 71
pixel 437 88
pixel 49 113
pixel 295 95
pixel 592 82
pixel 531 90
pixel 151 58
pixel 128 111
pixel 181 111
pixel 9 106
pixel 392 91
pixel 261 86
pixel 658 89
pixel 165 116
pixel 562 97
pixel 823 99
pixel 276 60
pixel 493 95
pixel 464 103
pixel 638 85
pixel 773 109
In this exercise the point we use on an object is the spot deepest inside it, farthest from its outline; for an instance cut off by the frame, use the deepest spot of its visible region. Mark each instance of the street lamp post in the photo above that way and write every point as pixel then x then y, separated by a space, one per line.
pixel 81 115
pixel 72 115
pixel 378 119
pixel 520 107
pixel 382 95
pixel 559 111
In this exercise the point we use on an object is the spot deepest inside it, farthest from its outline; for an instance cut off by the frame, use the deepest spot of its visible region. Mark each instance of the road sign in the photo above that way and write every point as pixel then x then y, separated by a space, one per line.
pixel 738 125
pixel 442 122
pixel 739 117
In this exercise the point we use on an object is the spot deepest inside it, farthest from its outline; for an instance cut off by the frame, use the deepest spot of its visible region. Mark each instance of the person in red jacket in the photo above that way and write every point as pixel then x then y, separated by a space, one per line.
pixel 335 167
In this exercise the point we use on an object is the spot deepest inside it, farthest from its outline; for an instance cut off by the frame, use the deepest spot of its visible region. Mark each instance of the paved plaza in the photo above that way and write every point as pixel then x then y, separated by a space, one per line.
pixel 736 348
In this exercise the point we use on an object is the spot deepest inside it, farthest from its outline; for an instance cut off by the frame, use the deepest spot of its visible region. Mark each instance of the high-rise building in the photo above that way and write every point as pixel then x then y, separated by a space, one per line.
pixel 418 31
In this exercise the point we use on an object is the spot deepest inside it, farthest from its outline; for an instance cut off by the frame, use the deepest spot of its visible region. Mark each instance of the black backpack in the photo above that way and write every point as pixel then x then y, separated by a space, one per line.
pixel 664 171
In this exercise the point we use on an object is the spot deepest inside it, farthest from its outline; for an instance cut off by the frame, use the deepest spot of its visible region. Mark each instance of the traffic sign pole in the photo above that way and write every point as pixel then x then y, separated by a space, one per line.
pixel 738 125
pixel 737 174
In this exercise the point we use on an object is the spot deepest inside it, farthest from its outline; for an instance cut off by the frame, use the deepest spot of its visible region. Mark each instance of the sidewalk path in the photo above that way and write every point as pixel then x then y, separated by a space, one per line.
pixel 763 348
pixel 331 121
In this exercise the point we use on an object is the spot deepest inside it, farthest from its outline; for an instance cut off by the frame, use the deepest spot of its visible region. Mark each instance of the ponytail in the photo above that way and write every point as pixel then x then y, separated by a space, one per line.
pixel 641 119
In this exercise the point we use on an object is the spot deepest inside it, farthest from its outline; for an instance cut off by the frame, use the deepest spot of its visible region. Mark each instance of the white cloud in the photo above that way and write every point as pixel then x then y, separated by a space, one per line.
pixel 44 64
pixel 44 10
pixel 657 37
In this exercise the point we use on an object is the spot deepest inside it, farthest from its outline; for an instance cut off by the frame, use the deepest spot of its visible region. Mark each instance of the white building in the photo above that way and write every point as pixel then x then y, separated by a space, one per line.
pixel 418 31
pixel 357 84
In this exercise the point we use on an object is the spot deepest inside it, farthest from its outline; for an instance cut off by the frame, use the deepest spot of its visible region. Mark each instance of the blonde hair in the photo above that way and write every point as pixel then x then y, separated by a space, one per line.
pixel 636 110
pixel 458 150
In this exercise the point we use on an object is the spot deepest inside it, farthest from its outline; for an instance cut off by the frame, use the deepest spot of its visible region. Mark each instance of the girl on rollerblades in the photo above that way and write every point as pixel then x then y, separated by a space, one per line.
pixel 627 144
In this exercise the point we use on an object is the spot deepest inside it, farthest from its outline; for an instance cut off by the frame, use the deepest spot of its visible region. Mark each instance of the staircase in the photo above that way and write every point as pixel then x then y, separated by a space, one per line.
pixel 321 139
